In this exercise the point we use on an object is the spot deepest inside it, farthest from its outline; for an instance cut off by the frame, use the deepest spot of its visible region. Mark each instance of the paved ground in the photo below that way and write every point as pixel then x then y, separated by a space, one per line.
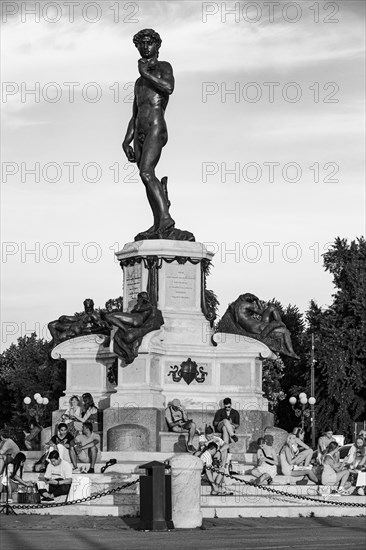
pixel 25 532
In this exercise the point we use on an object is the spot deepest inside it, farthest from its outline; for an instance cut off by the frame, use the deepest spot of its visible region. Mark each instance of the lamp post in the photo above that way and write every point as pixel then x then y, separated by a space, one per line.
pixel 304 408
pixel 312 390
pixel 37 409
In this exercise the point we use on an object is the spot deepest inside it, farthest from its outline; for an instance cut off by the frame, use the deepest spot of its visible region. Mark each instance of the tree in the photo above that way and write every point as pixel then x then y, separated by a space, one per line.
pixel 26 368
pixel 340 337
pixel 291 378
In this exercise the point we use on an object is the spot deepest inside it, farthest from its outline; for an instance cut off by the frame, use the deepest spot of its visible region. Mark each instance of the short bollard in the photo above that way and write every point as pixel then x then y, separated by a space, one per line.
pixel 186 491
pixel 155 498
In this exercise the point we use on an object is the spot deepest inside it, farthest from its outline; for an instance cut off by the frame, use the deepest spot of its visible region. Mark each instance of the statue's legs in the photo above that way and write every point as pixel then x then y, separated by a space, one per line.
pixel 138 145
pixel 157 198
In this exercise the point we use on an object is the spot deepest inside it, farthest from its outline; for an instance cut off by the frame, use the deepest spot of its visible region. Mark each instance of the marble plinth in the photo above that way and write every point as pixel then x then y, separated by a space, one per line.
pixel 233 363
pixel 132 428
pixel 87 361
pixel 186 491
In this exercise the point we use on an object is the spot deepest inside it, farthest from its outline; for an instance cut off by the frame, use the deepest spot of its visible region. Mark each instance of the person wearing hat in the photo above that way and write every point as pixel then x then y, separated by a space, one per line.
pixel 177 420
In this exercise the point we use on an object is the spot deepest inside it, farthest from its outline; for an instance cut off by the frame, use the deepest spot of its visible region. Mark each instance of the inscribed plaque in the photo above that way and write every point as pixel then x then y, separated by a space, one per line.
pixel 132 281
pixel 180 281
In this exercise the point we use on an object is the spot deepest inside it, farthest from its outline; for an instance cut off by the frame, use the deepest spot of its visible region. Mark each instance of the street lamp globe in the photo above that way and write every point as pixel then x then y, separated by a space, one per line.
pixel 45 401
pixel 302 395
pixel 27 400
pixel 303 400
pixel 292 400
pixel 312 400
pixel 36 396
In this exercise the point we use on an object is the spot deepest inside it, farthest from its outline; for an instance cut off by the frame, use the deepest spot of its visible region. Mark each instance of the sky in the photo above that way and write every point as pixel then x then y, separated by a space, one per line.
pixel 265 157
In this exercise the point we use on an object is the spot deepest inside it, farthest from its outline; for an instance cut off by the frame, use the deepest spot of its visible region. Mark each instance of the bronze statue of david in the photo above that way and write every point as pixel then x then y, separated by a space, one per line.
pixel 147 128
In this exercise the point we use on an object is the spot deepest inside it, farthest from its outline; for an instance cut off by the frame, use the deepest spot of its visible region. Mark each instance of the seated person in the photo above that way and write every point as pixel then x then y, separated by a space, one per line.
pixel 89 412
pixel 8 450
pixel 324 441
pixel 12 476
pixel 63 442
pixel 334 472
pixel 267 461
pixel 209 435
pixel 356 458
pixel 213 478
pixel 301 457
pixel 57 478
pixel 177 420
pixel 86 446
pixel 74 411
pixel 226 421
pixel 32 438
pixel 289 464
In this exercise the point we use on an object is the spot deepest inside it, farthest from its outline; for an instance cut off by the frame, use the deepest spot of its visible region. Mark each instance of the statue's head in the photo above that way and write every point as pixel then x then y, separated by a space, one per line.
pixel 248 297
pixel 88 304
pixel 143 297
pixel 147 42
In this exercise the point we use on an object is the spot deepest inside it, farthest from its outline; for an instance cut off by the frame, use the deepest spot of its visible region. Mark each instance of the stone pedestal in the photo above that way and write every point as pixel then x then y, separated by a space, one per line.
pixel 174 272
pixel 88 359
pixel 186 491
pixel 174 275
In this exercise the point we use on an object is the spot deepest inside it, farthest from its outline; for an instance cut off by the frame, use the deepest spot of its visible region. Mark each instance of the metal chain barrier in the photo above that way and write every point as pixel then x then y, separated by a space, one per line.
pixel 286 494
pixel 95 496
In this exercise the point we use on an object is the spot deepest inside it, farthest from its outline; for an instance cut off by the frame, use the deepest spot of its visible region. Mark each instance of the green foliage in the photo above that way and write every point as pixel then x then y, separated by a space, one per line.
pixel 287 377
pixel 340 339
pixel 26 368
pixel 272 373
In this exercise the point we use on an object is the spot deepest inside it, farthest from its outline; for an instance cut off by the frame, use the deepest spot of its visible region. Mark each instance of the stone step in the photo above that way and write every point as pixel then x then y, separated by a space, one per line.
pixel 220 507
pixel 123 456
pixel 83 510
pixel 127 462
pixel 247 490
pixel 246 501
pixel 177 442
pixel 284 511
pixel 98 482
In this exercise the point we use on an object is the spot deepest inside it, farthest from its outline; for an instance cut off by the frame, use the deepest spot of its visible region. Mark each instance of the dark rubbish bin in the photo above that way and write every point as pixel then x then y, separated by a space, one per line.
pixel 155 498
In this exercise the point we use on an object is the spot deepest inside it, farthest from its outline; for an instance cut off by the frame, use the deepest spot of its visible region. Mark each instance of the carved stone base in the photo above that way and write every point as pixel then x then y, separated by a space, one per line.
pixel 88 359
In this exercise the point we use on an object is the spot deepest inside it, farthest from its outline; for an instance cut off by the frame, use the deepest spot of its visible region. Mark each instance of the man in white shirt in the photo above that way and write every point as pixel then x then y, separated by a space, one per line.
pixel 214 478
pixel 222 447
pixel 58 476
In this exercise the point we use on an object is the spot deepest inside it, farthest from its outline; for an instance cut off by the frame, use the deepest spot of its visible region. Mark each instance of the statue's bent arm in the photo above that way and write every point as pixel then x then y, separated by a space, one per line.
pixel 164 83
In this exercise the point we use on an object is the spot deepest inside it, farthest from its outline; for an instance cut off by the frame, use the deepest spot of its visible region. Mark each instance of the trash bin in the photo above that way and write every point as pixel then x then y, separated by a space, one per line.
pixel 155 498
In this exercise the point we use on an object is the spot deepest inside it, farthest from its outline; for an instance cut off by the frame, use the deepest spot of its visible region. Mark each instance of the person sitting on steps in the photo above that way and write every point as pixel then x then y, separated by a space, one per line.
pixel 289 464
pixel 226 421
pixel 207 437
pixel 57 478
pixel 214 478
pixel 86 446
pixel 177 420
pixel 267 461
